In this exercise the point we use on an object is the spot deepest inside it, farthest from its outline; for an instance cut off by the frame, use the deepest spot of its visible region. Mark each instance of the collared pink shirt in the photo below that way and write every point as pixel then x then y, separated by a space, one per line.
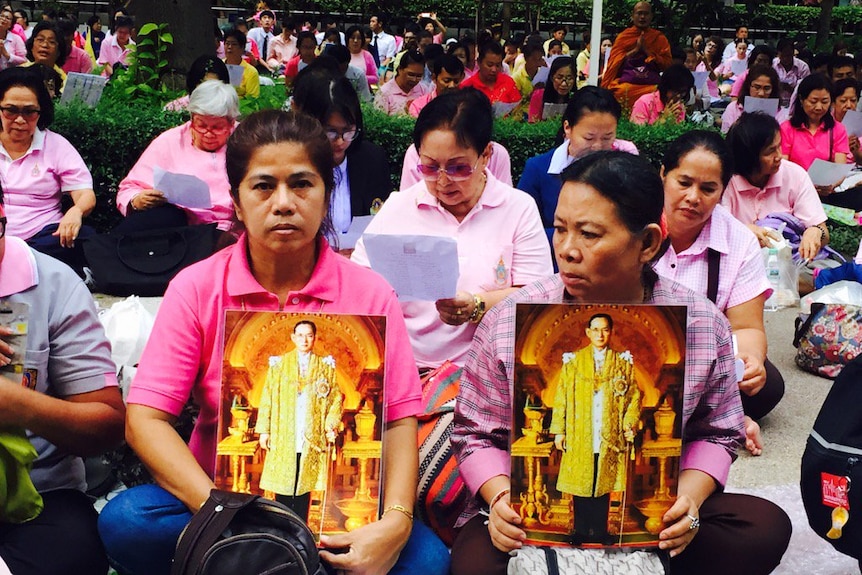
pixel 649 107
pixel 500 165
pixel 184 353
pixel 34 184
pixel 416 105
pixel 803 147
pixel 111 52
pixel 17 268
pixel 393 100
pixel 173 151
pixel 742 275
pixel 501 243
pixel 17 51
pixel 788 191
pixel 734 110
pixel 78 61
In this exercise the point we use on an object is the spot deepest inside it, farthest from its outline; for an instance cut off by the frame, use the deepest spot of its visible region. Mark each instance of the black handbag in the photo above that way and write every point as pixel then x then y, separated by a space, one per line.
pixel 143 263
pixel 240 533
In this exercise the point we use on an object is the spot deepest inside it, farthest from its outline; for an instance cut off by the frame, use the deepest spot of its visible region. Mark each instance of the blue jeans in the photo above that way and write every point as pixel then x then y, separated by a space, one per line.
pixel 140 528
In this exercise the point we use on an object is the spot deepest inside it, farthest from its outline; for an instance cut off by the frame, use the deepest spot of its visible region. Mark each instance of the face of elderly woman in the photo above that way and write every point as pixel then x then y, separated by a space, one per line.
pixel 691 191
pixel 209 133
pixel 19 113
pixel 281 200
pixel 455 175
pixel 46 48
pixel 598 257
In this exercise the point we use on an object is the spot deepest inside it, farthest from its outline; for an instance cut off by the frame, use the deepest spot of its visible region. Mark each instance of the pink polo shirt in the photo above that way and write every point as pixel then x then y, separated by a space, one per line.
pixel 789 191
pixel 649 107
pixel 734 110
pixel 173 151
pixel 184 353
pixel 393 100
pixel 742 275
pixel 111 52
pixel 500 165
pixel 34 184
pixel 17 51
pixel 501 243
pixel 801 147
pixel 78 61
pixel 416 105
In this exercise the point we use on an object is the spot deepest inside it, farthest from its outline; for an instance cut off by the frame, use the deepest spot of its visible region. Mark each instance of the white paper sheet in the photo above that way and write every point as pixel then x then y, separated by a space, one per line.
pixel 765 105
pixel 182 189
pixel 84 87
pixel 700 78
pixel 235 73
pixel 552 110
pixel 541 76
pixel 420 268
pixel 852 122
pixel 502 109
pixel 825 173
pixel 347 240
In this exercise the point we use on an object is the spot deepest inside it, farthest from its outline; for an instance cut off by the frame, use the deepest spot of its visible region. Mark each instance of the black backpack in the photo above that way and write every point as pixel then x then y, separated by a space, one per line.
pixel 834 448
pixel 238 533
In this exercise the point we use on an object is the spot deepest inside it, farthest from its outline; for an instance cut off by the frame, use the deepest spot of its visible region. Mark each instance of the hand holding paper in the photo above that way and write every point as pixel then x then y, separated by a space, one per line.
pixel 182 189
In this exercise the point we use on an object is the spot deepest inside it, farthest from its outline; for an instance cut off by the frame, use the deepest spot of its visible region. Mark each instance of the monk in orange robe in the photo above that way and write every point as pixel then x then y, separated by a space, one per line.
pixel 639 55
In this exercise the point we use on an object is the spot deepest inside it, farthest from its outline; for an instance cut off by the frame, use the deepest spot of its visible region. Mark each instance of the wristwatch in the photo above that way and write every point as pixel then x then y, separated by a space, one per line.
pixel 478 309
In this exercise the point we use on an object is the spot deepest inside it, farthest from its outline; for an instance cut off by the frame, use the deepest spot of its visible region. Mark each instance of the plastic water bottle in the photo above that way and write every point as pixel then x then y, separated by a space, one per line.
pixel 773 274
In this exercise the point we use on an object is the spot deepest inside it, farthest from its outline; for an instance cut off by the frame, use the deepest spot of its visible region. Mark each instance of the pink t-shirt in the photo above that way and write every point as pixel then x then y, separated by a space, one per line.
pixel 34 183
pixel 173 151
pixel 501 243
pixel 649 107
pixel 78 61
pixel 500 165
pixel 742 275
pixel 711 85
pixel 184 353
pixel 801 147
pixel 789 191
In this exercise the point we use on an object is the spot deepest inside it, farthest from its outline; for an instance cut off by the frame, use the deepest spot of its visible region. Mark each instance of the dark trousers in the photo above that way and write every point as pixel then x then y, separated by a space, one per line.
pixel 62 539
pixel 758 405
pixel 49 244
pixel 298 503
pixel 165 216
pixel 591 519
pixel 739 534
pixel 851 198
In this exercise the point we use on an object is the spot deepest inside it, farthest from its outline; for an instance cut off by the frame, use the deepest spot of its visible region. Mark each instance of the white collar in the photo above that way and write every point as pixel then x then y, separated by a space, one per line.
pixel 560 160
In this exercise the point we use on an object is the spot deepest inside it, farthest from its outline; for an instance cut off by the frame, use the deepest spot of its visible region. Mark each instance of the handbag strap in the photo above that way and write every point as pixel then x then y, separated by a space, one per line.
pixel 804 326
pixel 206 526
pixel 831 143
pixel 551 561
pixel 713 263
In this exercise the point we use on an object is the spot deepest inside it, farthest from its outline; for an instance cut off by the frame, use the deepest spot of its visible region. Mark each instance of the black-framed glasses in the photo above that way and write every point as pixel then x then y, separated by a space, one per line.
pixel 12 112
pixel 3 227
pixel 455 172
pixel 347 135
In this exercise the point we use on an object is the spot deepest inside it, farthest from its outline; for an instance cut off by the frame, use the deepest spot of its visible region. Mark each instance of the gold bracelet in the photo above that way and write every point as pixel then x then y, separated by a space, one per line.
pixel 478 309
pixel 400 508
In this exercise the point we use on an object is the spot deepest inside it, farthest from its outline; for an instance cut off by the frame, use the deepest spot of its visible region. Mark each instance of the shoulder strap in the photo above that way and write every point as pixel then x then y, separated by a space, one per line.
pixel 713 262
pixel 206 526
pixel 831 143
pixel 551 561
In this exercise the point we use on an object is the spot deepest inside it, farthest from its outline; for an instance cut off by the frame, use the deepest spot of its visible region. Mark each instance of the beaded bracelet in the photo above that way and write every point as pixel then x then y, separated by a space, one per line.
pixel 496 499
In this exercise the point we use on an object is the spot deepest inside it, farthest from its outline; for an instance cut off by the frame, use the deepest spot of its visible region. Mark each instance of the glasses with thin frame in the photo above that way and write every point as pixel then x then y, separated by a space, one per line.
pixel 12 112
pixel 455 172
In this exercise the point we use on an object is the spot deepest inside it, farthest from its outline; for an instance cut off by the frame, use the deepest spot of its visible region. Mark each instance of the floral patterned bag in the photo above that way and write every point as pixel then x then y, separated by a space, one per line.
pixel 828 338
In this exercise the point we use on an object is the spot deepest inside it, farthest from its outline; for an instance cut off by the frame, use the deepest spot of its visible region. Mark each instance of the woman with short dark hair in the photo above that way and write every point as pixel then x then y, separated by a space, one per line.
pixel 667 103
pixel 760 82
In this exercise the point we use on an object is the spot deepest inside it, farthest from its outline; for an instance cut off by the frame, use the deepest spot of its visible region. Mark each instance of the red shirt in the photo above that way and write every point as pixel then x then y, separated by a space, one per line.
pixel 504 90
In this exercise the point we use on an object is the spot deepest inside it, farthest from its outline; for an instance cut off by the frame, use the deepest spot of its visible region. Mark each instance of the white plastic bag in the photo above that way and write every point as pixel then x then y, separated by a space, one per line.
pixel 128 325
pixel 844 292
pixel 786 292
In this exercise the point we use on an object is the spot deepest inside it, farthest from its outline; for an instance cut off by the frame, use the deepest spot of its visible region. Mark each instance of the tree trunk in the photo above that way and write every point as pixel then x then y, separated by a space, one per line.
pixel 824 23
pixel 190 22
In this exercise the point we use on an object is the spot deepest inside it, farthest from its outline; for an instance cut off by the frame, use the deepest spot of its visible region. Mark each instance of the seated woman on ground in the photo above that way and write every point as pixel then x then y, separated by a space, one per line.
pixel 559 90
pixel 234 50
pixel 764 183
pixel 696 168
pixel 761 55
pixel 845 97
pixel 196 148
pixel 395 96
pixel 202 69
pixel 69 406
pixel 41 166
pixel 498 229
pixel 280 170
pixel 667 103
pixel 362 173
pixel 46 50
pixel 589 124
pixel 607 233
pixel 760 82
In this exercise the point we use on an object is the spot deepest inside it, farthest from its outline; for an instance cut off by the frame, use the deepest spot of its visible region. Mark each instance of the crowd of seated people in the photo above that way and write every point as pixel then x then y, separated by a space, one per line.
pixel 652 229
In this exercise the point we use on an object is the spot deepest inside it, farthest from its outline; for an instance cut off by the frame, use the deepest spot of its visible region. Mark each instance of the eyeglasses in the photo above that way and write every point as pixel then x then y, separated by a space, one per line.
pixel 12 112
pixel 347 135
pixel 456 172
pixel 564 79
pixel 2 227
pixel 214 130
pixel 45 41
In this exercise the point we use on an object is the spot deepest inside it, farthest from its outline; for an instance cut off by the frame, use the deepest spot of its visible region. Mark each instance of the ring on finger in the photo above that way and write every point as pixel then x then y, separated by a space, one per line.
pixel 458 311
pixel 695 522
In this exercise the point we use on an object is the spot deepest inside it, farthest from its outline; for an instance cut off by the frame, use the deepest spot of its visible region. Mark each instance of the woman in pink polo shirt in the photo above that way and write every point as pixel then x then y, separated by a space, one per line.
pixel 280 170
pixel 714 254
pixel 764 183
pixel 501 242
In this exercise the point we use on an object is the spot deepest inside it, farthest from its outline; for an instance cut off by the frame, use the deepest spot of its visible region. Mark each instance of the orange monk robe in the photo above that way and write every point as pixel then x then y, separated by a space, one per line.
pixel 656 45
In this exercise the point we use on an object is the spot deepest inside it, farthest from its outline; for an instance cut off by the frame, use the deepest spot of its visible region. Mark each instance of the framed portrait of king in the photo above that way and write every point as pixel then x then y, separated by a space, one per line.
pixel 597 410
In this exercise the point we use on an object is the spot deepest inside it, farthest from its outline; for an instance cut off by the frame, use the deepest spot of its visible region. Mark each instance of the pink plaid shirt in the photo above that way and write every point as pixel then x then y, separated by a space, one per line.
pixel 483 424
